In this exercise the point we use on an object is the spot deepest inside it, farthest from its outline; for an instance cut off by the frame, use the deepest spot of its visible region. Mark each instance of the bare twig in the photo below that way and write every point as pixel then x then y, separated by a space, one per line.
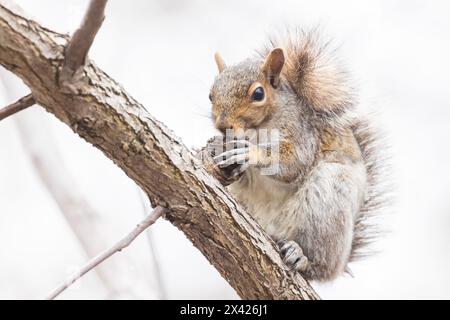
pixel 80 43
pixel 81 216
pixel 17 106
pixel 154 254
pixel 119 246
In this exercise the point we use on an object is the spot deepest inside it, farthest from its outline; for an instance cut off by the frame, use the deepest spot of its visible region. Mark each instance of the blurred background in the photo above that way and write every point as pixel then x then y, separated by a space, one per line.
pixel 62 201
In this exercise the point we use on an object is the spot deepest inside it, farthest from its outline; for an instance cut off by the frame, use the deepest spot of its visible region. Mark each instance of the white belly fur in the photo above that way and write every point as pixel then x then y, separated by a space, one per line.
pixel 269 202
pixel 280 208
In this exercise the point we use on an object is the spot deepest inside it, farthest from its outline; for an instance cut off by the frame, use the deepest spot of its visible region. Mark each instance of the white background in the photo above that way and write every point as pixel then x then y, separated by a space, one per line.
pixel 162 53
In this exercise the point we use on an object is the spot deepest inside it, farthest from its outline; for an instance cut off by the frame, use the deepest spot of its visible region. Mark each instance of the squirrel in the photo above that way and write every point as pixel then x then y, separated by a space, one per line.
pixel 324 184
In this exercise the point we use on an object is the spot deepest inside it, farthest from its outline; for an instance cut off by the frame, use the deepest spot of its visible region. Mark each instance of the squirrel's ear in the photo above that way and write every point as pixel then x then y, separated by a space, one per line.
pixel 219 61
pixel 273 65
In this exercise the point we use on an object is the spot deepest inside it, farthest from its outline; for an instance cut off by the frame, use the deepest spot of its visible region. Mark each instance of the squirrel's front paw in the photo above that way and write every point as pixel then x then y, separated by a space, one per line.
pixel 231 164
pixel 226 166
pixel 235 157
pixel 292 255
pixel 226 175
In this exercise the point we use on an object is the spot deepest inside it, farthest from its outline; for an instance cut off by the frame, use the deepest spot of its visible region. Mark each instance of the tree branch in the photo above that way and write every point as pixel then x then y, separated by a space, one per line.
pixel 78 47
pixel 104 114
pixel 119 246
pixel 17 106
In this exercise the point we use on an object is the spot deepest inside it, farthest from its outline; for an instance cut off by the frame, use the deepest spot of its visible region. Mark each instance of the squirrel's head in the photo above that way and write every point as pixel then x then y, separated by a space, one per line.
pixel 243 96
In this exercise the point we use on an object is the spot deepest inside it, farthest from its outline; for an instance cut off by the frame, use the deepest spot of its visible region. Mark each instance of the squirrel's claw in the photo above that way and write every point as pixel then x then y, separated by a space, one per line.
pixel 237 144
pixel 228 154
pixel 234 159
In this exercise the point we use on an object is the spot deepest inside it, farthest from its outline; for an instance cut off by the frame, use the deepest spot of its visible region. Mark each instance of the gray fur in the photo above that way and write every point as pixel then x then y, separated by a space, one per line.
pixel 318 203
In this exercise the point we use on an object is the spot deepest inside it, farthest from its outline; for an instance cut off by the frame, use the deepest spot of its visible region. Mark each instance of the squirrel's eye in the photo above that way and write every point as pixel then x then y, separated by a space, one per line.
pixel 210 97
pixel 258 94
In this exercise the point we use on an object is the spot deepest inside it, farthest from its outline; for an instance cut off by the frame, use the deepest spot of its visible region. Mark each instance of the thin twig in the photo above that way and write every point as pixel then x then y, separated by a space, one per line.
pixel 17 106
pixel 81 216
pixel 80 43
pixel 154 254
pixel 119 246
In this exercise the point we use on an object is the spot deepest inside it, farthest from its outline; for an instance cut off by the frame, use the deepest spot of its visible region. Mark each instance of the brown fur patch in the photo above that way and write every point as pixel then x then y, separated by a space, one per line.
pixel 265 157
pixel 287 150
pixel 340 145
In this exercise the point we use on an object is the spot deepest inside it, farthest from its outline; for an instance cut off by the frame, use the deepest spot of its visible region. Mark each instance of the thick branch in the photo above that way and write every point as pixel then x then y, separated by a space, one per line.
pixel 119 246
pixel 17 106
pixel 81 41
pixel 104 114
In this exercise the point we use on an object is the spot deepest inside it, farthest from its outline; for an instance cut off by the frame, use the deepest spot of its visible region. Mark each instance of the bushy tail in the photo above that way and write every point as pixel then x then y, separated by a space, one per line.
pixel 313 72
pixel 378 191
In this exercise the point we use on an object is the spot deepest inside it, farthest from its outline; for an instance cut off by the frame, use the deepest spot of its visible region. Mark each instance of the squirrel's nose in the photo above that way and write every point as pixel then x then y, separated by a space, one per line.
pixel 222 124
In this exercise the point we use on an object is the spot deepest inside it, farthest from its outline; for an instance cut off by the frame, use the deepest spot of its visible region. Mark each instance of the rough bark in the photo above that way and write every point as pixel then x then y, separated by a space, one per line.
pixel 99 110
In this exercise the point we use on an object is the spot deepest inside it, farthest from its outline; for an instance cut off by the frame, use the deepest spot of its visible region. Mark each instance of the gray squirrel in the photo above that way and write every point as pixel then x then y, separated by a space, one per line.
pixel 316 201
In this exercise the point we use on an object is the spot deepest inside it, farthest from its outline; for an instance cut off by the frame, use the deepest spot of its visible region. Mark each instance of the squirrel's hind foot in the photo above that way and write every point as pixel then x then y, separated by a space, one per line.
pixel 292 255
